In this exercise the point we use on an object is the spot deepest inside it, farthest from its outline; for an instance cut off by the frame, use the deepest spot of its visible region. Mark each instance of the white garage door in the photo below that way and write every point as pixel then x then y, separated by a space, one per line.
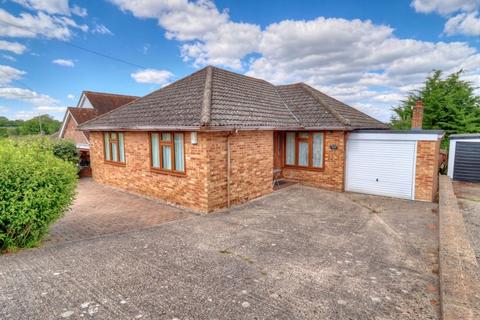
pixel 381 167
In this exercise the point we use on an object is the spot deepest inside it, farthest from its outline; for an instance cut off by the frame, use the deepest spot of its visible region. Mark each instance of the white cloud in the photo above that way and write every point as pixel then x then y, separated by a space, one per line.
pixel 43 109
pixel 161 77
pixel 60 7
pixel 463 23
pixel 14 47
pixel 356 61
pixel 211 37
pixel 101 29
pixel 9 58
pixel 70 96
pixel 64 62
pixel 9 74
pixel 24 115
pixel 444 7
pixel 78 11
pixel 27 95
pixel 40 25
pixel 462 14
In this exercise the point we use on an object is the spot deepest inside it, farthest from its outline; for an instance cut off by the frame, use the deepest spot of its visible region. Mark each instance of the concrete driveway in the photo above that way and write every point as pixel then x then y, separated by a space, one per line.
pixel 468 195
pixel 299 253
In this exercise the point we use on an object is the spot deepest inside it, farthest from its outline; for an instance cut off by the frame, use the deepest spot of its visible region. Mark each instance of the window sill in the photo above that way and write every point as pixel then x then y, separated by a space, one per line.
pixel 170 173
pixel 304 168
pixel 113 163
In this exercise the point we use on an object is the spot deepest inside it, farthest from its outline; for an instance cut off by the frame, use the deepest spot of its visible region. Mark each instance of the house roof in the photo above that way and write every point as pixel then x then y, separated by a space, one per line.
pixel 82 115
pixel 105 102
pixel 216 99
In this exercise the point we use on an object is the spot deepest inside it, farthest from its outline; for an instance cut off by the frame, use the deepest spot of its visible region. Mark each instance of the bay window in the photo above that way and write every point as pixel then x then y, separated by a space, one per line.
pixel 304 149
pixel 167 151
pixel 114 147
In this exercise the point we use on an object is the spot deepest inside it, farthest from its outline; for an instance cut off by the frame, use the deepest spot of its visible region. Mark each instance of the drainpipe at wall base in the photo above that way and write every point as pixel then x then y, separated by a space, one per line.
pixel 228 169
pixel 229 165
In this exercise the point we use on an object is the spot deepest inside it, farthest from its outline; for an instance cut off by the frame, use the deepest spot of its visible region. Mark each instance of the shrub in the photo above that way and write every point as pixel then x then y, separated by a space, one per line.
pixel 35 189
pixel 66 150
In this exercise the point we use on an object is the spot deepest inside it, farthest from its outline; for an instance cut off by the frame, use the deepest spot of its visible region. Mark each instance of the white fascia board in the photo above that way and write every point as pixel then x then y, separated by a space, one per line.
pixel 395 136
pixel 82 146
pixel 64 124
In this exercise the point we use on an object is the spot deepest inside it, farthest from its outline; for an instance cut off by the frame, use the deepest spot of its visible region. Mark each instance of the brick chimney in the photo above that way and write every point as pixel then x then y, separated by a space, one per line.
pixel 417 116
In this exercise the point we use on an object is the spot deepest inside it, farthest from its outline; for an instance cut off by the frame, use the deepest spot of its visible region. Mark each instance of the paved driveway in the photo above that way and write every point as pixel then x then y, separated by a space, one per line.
pixel 99 210
pixel 300 253
pixel 468 195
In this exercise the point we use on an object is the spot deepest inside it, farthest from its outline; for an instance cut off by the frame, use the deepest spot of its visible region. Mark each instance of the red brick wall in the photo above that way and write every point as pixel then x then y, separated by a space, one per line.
pixel 188 191
pixel 426 175
pixel 251 171
pixel 204 187
pixel 332 177
pixel 71 132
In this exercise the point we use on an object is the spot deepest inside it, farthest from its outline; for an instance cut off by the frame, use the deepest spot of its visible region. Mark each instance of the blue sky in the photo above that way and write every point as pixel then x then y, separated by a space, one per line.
pixel 368 54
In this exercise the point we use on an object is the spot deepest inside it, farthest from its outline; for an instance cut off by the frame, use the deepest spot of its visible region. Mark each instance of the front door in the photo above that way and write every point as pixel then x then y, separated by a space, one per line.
pixel 278 150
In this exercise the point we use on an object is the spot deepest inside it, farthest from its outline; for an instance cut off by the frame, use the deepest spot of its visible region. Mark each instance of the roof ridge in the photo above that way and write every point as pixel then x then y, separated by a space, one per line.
pixel 207 98
pixel 110 94
pixel 286 105
pixel 335 113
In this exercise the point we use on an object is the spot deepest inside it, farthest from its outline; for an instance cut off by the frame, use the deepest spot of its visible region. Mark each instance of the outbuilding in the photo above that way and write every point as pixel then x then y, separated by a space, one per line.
pixel 464 157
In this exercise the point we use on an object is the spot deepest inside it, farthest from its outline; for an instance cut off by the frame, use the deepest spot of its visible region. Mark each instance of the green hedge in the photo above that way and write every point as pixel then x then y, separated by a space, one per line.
pixel 35 190
pixel 66 150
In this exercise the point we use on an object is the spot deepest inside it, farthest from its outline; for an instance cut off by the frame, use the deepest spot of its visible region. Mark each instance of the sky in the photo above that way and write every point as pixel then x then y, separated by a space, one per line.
pixel 368 54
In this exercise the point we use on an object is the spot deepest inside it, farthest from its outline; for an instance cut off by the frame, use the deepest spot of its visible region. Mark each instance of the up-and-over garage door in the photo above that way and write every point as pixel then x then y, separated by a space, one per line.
pixel 381 167
pixel 467 161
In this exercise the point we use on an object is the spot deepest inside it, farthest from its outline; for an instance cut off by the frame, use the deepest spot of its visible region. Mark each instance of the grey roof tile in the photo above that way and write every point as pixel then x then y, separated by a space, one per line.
pixel 213 98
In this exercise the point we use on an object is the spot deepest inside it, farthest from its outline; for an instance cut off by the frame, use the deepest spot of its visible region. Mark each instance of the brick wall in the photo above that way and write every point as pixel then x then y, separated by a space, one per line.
pixel 71 132
pixel 204 187
pixel 332 177
pixel 251 171
pixel 188 191
pixel 426 176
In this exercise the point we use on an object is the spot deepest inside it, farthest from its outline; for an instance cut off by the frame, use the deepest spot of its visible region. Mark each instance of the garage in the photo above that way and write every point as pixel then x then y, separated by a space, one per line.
pixel 385 162
pixel 464 157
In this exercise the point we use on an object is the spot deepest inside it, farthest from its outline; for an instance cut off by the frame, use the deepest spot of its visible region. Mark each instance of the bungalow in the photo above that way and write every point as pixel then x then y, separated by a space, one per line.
pixel 217 138
pixel 90 105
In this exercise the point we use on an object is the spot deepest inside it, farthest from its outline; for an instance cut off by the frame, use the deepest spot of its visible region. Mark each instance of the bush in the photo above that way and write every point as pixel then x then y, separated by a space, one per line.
pixel 66 150
pixel 35 189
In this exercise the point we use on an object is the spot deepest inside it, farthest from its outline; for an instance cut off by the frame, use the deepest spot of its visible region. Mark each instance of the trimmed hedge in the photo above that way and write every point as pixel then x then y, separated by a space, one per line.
pixel 35 190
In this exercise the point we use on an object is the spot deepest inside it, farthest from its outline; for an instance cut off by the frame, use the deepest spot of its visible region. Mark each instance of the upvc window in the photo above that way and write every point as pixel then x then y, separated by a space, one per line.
pixel 167 151
pixel 304 149
pixel 114 147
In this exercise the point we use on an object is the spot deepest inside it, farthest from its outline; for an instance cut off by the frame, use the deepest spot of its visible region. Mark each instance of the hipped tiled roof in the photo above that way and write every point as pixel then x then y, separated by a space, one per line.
pixel 106 102
pixel 216 99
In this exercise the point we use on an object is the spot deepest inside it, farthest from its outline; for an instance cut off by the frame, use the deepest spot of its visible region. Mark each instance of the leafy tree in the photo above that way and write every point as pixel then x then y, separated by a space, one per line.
pixel 66 150
pixel 450 104
pixel 46 122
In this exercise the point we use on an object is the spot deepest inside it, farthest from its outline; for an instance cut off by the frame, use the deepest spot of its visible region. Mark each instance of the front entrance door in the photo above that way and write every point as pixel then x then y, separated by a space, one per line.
pixel 278 150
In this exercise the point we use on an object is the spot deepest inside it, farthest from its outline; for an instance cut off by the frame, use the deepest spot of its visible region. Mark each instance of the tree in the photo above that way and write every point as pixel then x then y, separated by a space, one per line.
pixel 47 123
pixel 450 105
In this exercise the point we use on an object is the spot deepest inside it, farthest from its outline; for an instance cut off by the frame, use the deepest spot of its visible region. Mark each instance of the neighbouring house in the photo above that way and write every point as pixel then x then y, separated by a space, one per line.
pixel 217 138
pixel 90 105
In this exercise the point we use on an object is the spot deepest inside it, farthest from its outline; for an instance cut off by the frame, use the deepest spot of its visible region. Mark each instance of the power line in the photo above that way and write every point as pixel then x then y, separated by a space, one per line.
pixel 85 49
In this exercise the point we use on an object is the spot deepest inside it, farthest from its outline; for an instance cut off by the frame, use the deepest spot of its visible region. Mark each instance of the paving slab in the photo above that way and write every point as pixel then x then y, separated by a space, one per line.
pixel 99 210
pixel 299 253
